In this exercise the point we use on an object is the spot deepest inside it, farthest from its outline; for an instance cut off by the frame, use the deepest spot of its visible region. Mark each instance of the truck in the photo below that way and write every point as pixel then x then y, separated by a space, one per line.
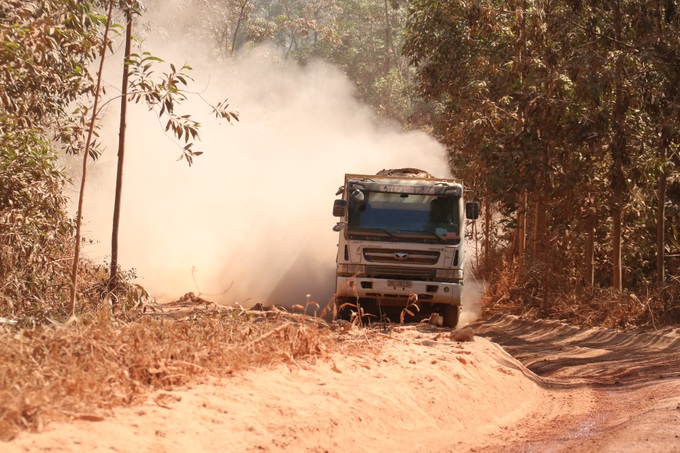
pixel 401 244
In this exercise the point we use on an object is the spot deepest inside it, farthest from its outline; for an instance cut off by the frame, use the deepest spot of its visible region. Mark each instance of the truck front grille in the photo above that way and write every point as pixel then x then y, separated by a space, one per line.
pixel 405 257
pixel 408 273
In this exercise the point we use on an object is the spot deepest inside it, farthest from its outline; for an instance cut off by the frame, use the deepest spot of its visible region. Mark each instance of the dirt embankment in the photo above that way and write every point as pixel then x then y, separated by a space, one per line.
pixel 518 386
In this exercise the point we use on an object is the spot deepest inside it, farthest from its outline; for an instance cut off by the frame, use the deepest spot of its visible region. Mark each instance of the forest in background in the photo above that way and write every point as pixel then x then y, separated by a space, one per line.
pixel 566 113
pixel 561 117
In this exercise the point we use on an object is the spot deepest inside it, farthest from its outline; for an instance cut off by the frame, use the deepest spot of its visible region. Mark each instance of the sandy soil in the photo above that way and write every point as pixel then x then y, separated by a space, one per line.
pixel 517 386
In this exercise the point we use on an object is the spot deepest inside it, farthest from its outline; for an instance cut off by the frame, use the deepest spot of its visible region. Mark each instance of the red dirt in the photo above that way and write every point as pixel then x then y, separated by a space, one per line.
pixel 518 386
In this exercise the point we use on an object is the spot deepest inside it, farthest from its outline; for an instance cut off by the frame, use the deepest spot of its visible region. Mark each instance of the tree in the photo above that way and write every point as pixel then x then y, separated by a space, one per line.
pixel 165 93
pixel 86 153
pixel 561 102
pixel 113 272
pixel 45 51
pixel 362 37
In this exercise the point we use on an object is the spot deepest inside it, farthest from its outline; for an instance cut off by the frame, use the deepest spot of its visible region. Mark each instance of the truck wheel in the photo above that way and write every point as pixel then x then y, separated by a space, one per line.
pixel 451 313
pixel 346 312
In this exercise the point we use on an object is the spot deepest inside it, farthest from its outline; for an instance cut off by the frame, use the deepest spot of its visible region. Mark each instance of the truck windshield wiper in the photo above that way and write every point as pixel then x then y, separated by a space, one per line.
pixel 431 233
pixel 390 234
pixel 375 232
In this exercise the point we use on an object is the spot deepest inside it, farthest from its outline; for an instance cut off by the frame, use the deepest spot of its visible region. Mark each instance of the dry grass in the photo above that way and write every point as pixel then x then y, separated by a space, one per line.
pixel 85 369
pixel 525 294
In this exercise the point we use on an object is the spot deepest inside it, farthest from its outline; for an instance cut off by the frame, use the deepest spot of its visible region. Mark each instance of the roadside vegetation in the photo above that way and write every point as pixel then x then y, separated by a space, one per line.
pixel 84 370
pixel 562 117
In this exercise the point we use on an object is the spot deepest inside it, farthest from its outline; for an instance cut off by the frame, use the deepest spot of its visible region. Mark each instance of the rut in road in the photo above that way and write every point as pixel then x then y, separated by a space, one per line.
pixel 557 351
pixel 631 379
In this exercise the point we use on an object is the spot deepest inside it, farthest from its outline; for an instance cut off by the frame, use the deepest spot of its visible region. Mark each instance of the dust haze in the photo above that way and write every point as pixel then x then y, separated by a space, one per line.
pixel 473 293
pixel 251 220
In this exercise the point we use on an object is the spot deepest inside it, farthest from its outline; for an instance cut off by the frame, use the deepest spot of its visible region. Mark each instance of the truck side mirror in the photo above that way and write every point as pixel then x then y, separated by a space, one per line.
pixel 472 210
pixel 339 208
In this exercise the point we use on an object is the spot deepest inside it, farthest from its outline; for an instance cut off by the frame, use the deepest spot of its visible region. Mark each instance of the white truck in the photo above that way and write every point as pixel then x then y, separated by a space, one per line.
pixel 401 242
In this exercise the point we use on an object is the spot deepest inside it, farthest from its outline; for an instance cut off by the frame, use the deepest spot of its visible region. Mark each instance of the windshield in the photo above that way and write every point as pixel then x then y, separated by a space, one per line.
pixel 401 213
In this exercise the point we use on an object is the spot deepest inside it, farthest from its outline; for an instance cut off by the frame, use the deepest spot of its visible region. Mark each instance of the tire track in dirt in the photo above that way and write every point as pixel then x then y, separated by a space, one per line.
pixel 519 386
pixel 633 378
pixel 592 356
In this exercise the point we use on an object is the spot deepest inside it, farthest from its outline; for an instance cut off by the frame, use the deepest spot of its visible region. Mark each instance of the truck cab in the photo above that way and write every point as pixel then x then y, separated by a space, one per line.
pixel 401 242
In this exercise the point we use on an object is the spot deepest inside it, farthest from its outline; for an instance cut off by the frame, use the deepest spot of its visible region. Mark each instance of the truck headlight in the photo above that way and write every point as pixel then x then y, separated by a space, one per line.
pixel 350 269
pixel 450 274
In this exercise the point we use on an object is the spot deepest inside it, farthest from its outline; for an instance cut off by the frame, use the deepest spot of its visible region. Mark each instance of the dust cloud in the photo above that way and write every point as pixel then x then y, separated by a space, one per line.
pixel 251 220
pixel 473 293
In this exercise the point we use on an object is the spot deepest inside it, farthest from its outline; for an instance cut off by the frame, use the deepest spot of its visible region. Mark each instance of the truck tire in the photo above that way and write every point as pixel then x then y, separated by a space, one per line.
pixel 451 314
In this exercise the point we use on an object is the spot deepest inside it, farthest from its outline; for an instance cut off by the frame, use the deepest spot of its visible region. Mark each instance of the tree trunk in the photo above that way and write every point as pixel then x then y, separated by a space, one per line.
pixel 617 273
pixel 661 216
pixel 618 147
pixel 522 214
pixel 241 17
pixel 545 240
pixel 86 152
pixel 113 273
pixel 661 174
pixel 522 228
pixel 390 52
pixel 589 264
pixel 487 237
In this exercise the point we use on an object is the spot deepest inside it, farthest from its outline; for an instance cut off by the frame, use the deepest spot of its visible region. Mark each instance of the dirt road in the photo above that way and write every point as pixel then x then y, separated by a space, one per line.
pixel 633 380
pixel 518 386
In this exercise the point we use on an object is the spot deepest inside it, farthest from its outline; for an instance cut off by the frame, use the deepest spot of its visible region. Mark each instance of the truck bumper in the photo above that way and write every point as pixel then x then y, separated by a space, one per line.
pixel 397 292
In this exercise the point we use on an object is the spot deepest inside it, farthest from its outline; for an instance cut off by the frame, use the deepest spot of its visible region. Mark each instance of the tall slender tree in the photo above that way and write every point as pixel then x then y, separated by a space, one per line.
pixel 129 11
pixel 86 154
